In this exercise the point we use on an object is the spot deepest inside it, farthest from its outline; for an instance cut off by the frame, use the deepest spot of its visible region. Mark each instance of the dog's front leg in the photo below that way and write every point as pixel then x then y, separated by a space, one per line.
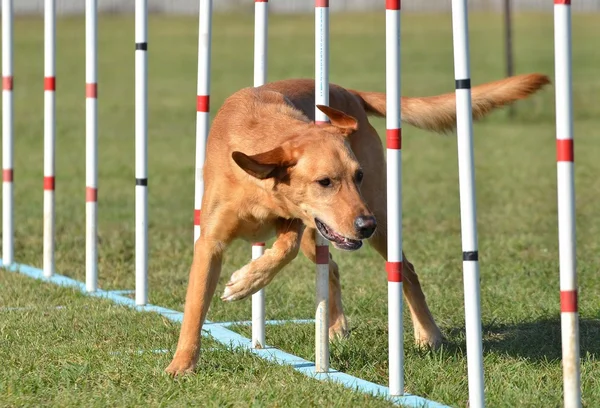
pixel 258 273
pixel 204 275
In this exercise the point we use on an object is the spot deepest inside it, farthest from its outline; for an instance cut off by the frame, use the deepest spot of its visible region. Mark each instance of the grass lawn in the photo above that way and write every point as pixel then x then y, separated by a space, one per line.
pixel 85 352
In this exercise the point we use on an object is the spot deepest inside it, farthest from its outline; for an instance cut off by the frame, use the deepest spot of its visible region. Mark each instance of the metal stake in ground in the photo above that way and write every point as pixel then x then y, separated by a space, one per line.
pixel 322 249
pixel 7 133
pixel 202 105
pixel 468 214
pixel 394 199
pixel 49 133
pixel 261 15
pixel 91 144
pixel 141 152
pixel 569 315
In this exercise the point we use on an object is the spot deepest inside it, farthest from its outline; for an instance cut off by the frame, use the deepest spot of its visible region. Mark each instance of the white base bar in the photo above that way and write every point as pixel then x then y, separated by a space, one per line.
pixel 7 224
pixel 141 245
pixel 91 254
pixel 258 307
pixel 48 233
pixel 395 340
pixel 322 314
pixel 570 350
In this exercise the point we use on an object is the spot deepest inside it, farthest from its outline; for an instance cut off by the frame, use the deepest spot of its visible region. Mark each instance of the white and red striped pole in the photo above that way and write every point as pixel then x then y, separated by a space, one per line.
pixel 141 152
pixel 468 212
pixel 261 27
pixel 91 144
pixel 202 106
pixel 322 246
pixel 394 198
pixel 49 133
pixel 7 133
pixel 569 315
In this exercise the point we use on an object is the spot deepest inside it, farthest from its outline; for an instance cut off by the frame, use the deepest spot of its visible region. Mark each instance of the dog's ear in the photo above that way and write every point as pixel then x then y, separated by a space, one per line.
pixel 265 165
pixel 345 123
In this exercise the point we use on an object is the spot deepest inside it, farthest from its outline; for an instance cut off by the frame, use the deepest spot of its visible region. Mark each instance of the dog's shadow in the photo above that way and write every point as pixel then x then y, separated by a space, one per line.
pixel 535 340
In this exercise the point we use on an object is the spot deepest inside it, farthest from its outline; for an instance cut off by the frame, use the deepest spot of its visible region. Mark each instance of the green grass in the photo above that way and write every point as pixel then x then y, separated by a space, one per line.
pixel 63 357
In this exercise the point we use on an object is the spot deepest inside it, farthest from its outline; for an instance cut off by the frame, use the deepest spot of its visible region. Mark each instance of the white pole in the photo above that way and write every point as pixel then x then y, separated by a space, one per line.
pixel 322 246
pixel 49 133
pixel 258 306
pixel 261 14
pixel 468 213
pixel 202 106
pixel 91 153
pixel 394 198
pixel 7 133
pixel 141 152
pixel 566 204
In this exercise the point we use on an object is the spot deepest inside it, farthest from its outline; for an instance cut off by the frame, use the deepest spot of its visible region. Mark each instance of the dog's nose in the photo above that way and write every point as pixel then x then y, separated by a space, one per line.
pixel 365 225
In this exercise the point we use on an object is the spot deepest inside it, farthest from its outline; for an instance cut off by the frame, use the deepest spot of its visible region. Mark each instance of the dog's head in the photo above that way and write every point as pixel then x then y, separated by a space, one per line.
pixel 317 176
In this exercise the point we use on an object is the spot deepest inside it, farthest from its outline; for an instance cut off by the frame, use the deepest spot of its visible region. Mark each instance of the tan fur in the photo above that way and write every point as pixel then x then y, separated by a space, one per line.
pixel 270 170
pixel 438 113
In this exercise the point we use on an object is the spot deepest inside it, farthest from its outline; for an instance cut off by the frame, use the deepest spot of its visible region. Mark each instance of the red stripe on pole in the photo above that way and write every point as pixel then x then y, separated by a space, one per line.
pixel 91 90
pixel 259 243
pixel 203 103
pixel 566 2
pixel 7 175
pixel 49 183
pixel 197 216
pixel 393 4
pixel 261 1
pixel 394 138
pixel 564 150
pixel 50 83
pixel 322 254
pixel 7 83
pixel 394 271
pixel 91 194
pixel 321 3
pixel 568 301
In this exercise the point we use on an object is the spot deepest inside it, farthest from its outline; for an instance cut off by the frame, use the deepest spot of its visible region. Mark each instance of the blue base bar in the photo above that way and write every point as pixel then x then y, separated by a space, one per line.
pixel 221 334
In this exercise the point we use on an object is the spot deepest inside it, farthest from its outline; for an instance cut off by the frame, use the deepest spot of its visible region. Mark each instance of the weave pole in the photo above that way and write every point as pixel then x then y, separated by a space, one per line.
pixel 394 198
pixel 202 106
pixel 49 133
pixel 91 144
pixel 322 246
pixel 141 152
pixel 569 315
pixel 261 28
pixel 7 133
pixel 468 212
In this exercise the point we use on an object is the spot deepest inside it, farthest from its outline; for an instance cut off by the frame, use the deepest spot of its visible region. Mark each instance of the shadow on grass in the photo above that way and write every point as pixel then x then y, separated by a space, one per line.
pixel 536 340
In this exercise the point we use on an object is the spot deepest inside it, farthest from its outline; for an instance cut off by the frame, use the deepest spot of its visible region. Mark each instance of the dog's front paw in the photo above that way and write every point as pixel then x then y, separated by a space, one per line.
pixel 181 366
pixel 243 283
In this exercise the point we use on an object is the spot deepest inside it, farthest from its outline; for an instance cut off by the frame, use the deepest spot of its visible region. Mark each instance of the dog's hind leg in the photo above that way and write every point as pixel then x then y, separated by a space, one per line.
pixel 204 275
pixel 426 331
pixel 338 325
pixel 258 273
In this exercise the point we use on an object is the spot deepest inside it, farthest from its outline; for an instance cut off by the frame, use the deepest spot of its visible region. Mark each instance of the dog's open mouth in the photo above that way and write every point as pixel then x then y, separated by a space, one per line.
pixel 338 240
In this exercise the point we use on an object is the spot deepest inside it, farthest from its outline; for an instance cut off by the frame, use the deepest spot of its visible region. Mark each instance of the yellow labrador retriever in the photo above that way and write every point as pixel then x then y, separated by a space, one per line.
pixel 270 170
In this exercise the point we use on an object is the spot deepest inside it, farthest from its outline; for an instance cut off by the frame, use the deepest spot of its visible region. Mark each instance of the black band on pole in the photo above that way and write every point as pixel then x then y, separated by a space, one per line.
pixel 142 46
pixel 463 83
pixel 141 181
pixel 470 256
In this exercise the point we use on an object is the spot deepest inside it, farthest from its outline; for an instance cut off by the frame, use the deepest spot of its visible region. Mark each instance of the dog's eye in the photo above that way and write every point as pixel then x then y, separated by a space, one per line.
pixel 326 182
pixel 359 176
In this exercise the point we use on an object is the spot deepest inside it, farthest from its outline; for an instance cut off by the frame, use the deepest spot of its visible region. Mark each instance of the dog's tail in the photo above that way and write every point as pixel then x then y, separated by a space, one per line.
pixel 438 113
